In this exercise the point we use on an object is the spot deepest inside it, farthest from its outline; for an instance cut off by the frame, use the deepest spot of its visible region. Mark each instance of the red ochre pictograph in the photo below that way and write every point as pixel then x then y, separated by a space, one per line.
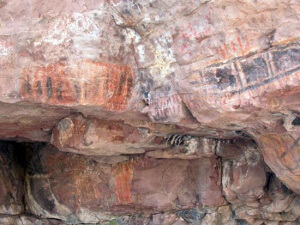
pixel 84 83
pixel 123 175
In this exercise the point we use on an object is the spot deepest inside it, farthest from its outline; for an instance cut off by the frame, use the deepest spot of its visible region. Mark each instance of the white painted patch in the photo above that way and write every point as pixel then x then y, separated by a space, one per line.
pixel 157 18
pixel 192 146
pixel 5 48
pixel 131 35
pixel 79 24
pixel 118 19
pixel 56 36
pixel 141 52
pixel 146 19
pixel 164 58
pixel 5 51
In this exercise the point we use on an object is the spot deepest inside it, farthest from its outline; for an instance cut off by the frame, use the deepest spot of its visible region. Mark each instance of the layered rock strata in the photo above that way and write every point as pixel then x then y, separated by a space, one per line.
pixel 150 112
pixel 233 185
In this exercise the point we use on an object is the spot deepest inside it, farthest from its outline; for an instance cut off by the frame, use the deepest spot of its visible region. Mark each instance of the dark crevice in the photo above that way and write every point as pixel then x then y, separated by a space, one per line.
pixel 296 121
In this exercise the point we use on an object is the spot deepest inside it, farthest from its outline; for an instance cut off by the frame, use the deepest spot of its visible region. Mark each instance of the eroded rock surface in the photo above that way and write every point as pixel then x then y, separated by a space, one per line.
pixel 11 181
pixel 181 111
pixel 71 187
pixel 67 188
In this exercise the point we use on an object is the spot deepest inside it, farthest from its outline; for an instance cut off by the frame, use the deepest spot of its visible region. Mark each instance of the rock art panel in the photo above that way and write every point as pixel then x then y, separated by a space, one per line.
pixel 72 188
pixel 255 194
pixel 167 109
pixel 123 175
pixel 154 80
pixel 98 137
pixel 241 75
pixel 236 86
pixel 185 147
pixel 84 83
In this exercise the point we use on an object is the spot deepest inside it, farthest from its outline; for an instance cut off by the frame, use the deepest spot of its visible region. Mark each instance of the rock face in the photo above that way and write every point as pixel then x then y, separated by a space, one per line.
pixel 71 187
pixel 11 180
pixel 231 186
pixel 150 112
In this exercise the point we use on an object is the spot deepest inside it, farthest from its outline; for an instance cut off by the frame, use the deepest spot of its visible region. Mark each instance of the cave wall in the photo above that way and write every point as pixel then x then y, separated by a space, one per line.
pixel 231 186
pixel 151 112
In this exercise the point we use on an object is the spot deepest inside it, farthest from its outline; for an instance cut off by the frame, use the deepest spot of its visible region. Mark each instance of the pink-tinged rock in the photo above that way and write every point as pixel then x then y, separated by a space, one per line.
pixel 11 180
pixel 73 188
pixel 166 106
pixel 231 93
pixel 95 137
pixel 185 147
pixel 209 182
pixel 243 172
pixel 167 219
pixel 32 123
pixel 281 153
pixel 167 109
pixel 65 54
pixel 277 204
pixel 279 198
pixel 104 85
pixel 27 220
pixel 212 69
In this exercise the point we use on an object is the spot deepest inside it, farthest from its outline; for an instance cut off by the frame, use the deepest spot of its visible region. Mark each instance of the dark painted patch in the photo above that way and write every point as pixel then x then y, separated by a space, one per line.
pixel 39 88
pixel 146 82
pixel 59 92
pixel 3 3
pixel 129 85
pixel 42 194
pixel 6 148
pixel 191 216
pixel 122 82
pixel 225 78
pixel 242 222
pixel 28 85
pixel 269 80
pixel 35 165
pixel 77 91
pixel 219 78
pixel 296 121
pixel 49 87
pixel 46 202
pixel 286 59
pixel 255 69
pixel 146 97
pixel 106 83
pixel 209 78
pixel 126 11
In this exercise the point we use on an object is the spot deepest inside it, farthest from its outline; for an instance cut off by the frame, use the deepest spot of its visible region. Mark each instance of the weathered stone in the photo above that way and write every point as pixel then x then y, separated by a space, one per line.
pixel 166 219
pixel 281 153
pixel 185 147
pixel 243 177
pixel 73 188
pixel 135 84
pixel 94 137
pixel 27 220
pixel 11 180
